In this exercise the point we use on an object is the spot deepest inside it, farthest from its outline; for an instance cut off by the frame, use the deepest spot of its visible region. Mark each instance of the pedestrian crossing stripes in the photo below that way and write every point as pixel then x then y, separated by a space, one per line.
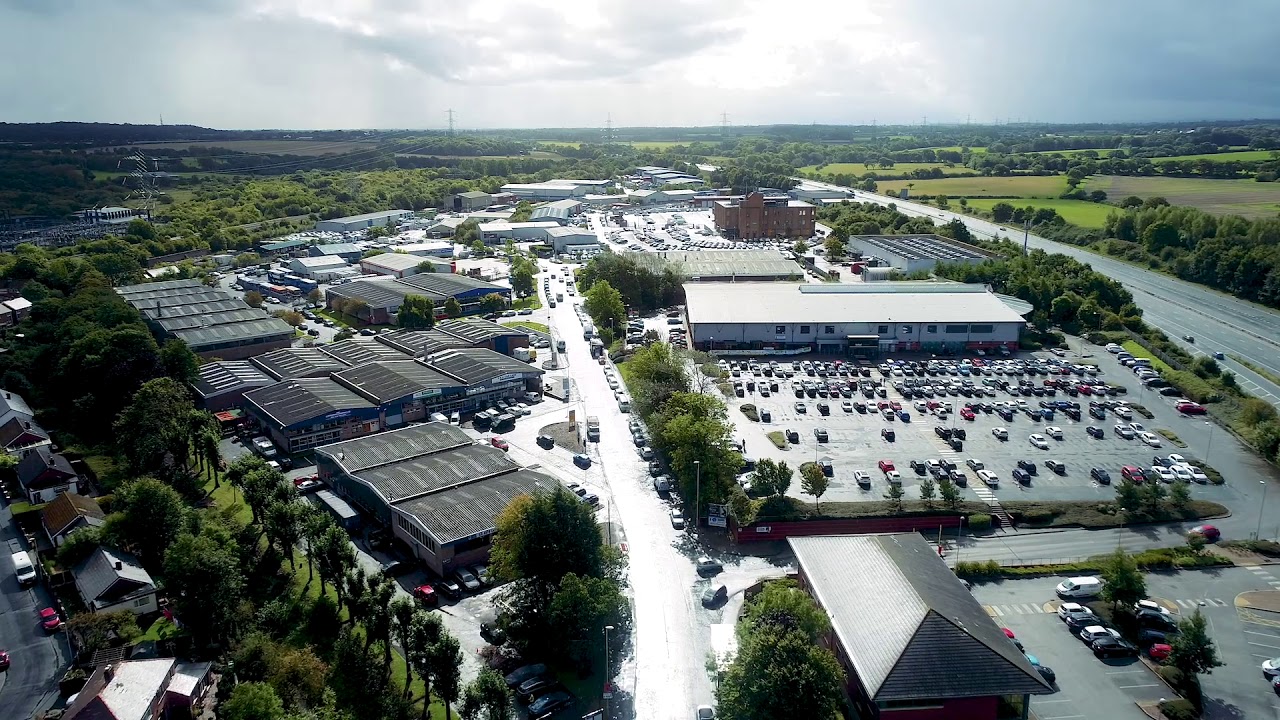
pixel 1015 609
pixel 984 493
pixel 1200 602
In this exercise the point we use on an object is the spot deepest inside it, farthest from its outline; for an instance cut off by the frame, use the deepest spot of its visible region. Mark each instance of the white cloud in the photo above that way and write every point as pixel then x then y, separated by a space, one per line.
pixel 522 63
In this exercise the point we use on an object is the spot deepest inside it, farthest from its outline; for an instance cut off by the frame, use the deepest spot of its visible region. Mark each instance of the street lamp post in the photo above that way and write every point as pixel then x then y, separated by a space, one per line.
pixel 1209 449
pixel 697 495
pixel 1258 534
pixel 607 681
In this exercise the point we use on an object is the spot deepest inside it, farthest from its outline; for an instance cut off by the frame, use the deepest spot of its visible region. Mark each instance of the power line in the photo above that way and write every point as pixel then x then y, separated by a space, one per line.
pixel 450 112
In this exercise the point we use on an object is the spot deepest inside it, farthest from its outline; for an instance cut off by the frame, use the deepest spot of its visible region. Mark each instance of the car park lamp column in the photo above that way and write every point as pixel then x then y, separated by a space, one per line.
pixel 697 494
pixel 1209 449
pixel 1257 535
pixel 607 680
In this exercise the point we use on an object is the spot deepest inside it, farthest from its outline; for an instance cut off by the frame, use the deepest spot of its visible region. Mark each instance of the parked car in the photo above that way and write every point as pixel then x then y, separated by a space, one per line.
pixel 466 579
pixel 707 567
pixel 1095 431
pixel 677 518
pixel 1093 633
pixel 536 687
pixel 1100 475
pixel 714 596
pixel 1079 587
pixel 499 443
pixel 1039 441
pixel 50 620
pixel 1113 646
pixel 582 461
pixel 888 434
pixel 1057 467
pixel 449 588
pixel 550 702
pixel 518 676
pixel 1208 532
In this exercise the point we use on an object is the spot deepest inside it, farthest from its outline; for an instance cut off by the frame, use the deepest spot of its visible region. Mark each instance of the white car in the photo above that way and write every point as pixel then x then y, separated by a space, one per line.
pixel 1137 427
pixel 1114 349
pixel 893 476
pixel 1039 441
pixel 1271 668
pixel 1097 632
pixel 1124 431
pixel 1165 474
pixel 1151 439
pixel 1151 605
pixel 988 477
pixel 1123 412
pixel 1197 474
pixel 1068 610
pixel 1180 472
pixel 1054 432
pixel 846 406
pixel 974 464
pixel 1000 433
pixel 1176 459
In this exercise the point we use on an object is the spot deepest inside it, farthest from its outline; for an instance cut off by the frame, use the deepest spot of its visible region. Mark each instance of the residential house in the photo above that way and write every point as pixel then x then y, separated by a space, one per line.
pixel 140 690
pixel 67 513
pixel 44 475
pixel 111 580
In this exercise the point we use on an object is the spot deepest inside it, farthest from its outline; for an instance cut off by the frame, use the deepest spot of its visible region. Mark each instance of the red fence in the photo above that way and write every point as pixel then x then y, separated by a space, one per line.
pixel 766 530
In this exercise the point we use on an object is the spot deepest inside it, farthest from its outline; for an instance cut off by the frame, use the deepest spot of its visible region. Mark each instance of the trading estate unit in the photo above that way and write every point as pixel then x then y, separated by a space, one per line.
pixel 667 176
pixel 757 216
pixel 360 350
pixel 436 489
pixel 213 323
pixel 283 246
pixel 914 643
pixel 299 362
pixel 382 298
pixel 362 222
pixel 221 385
pixel 349 252
pixel 559 211
pixel 493 232
pixel 401 265
pixel 563 238
pixel 727 265
pixel 814 193
pixel 862 319
pixel 545 191
pixel 439 249
pixel 317 268
pixel 473 200
pixel 915 253
pixel 366 397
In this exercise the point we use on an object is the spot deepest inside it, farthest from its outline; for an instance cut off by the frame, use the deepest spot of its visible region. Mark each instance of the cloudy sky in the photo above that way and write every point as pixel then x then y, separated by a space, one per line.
pixel 558 63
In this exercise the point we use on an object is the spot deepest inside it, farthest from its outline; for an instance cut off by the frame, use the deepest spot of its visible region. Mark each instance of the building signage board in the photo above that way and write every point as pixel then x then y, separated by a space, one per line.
pixel 428 393
pixel 504 378
pixel 338 415
pixel 717 515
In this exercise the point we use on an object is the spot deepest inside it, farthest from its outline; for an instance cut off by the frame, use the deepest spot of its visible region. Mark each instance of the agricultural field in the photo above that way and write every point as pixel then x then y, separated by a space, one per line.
pixel 1077 212
pixel 1019 186
pixel 976 150
pixel 1235 197
pixel 268 147
pixel 1238 156
pixel 1102 152
pixel 898 168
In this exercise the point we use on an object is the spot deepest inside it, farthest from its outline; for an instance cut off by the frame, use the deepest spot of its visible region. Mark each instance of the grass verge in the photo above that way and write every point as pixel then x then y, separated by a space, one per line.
pixel 750 411
pixel 1141 410
pixel 533 302
pixel 529 324
pixel 1154 559
pixel 778 439
pixel 340 320
pixel 1171 436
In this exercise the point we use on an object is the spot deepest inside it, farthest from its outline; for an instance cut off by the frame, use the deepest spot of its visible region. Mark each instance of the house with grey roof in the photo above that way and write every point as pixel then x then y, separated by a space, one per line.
pixel 18 427
pixel 141 690
pixel 110 580
pixel 44 475
pixel 912 639
pixel 435 488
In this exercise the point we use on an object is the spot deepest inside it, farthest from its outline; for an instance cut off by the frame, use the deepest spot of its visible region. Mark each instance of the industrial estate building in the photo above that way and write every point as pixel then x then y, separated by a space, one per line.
pixel 564 238
pixel 350 252
pixel 436 489
pixel 400 265
pixel 914 643
pixel 501 230
pixel 758 216
pixel 545 191
pixel 300 413
pixel 726 265
pixel 363 222
pixel 321 268
pixel 817 193
pixel 560 211
pixel 473 200
pixel 915 253
pixel 667 176
pixel 383 297
pixel 857 319
pixel 221 386
pixel 213 323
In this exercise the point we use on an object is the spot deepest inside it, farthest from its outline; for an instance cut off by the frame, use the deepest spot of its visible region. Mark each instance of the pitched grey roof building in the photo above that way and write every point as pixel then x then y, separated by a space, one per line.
pixel 109 577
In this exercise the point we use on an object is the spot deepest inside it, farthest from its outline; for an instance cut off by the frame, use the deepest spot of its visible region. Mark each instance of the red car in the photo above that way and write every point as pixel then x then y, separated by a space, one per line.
pixel 1084 389
pixel 50 620
pixel 1133 474
pixel 4 660
pixel 1160 651
pixel 895 406
pixel 886 465
pixel 499 443
pixel 967 413
pixel 305 478
pixel 426 594
pixel 1190 408
pixel 1208 532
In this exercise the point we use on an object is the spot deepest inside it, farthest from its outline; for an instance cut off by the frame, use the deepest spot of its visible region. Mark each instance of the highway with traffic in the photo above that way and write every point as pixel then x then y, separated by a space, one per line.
pixel 1218 322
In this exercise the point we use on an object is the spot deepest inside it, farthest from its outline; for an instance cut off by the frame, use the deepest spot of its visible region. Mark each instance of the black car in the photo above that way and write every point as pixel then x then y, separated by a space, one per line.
pixel 1076 623
pixel 546 442
pixel 1156 620
pixel 1056 467
pixel 959 433
pixel 537 687
pixel 956 444
pixel 714 596
pixel 888 434
pixel 549 703
pixel 1110 646
pixel 1027 466
pixel 448 588
pixel 919 467
pixel 942 432
pixel 1102 476
pixel 528 672
pixel 1096 431
pixel 1021 476
pixel 1048 674
pixel 958 477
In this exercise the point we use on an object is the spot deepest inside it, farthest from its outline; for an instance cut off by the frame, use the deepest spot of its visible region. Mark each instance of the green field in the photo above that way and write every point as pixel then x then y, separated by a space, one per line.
pixel 898 168
pixel 1239 156
pixel 1235 197
pixel 976 150
pixel 1102 152
pixel 1076 212
pixel 1021 186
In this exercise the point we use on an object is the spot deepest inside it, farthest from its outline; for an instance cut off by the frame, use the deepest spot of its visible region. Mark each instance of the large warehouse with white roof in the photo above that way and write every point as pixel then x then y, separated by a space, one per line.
pixel 849 319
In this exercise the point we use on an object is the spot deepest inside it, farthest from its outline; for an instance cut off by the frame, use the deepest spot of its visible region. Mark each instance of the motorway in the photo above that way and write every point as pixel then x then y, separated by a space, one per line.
pixel 38 658
pixel 1218 322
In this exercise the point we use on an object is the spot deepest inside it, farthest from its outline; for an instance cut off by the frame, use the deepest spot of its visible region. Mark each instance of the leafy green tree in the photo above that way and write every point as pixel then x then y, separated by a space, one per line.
pixel 1124 584
pixel 315 297
pixel 299 677
pixel 522 279
pixel 1179 496
pixel 604 304
pixel 96 631
pixel 334 557
pixel 487 698
pixel 478 248
pixel 834 247
pixel 208 583
pixel 1153 495
pixel 491 303
pixel 1002 212
pixel 78 545
pixel 254 299
pixel 283 523
pixel 426 266
pixel 784 604
pixel 780 673
pixel 416 312
pixel 1129 497
pixel 452 308
pixel 152 431
pixel 1194 652
pixel 403 610
pixel 691 428
pixel 149 518
pixel 177 361
pixel 814 482
pixel 252 701
pixel 771 477
pixel 579 612
pixel 950 494
pixel 446 667
pixel 541 539
pixel 425 633
pixel 928 491
pixel 894 495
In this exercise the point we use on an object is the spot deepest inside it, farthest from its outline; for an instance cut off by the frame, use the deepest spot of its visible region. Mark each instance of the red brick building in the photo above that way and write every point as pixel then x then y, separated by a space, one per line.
pixel 757 216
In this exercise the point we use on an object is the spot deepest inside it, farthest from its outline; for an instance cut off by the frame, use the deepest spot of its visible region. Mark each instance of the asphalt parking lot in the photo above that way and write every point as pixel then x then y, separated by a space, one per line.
pixel 856 443
pixel 1088 687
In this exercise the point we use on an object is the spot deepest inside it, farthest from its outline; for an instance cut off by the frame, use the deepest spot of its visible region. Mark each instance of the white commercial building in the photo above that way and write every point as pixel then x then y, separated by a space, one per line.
pixel 431 249
pixel 761 317
pixel 401 264
pixel 562 238
pixel 545 191
pixel 362 222
pixel 314 267
pixel 525 231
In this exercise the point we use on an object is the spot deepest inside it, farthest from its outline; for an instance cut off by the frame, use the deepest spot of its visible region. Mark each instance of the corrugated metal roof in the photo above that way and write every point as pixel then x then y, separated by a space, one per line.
pixel 776 303
pixel 398 262
pixel 477 365
pixel 216 317
pixel 475 330
pixel 293 401
pixel 263 329
pixel 336 248
pixel 470 510
pixel 377 293
pixel 384 381
pixel 219 378
pixel 422 342
pixel 908 626
pixel 128 290
pixel 450 284
pixel 390 447
pixel 361 349
pixel 430 473
pixel 287 363
pixel 722 263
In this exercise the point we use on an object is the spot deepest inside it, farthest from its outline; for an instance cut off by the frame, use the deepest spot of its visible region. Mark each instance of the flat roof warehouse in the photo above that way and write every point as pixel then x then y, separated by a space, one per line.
pixel 767 302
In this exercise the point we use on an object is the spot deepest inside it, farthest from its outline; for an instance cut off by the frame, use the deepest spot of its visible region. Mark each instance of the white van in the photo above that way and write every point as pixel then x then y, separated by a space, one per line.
pixel 455 418
pixel 23 569
pixel 1079 587
pixel 439 418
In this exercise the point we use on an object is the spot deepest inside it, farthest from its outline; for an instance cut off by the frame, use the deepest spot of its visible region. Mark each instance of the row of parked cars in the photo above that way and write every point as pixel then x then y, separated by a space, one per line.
pixel 1155 624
